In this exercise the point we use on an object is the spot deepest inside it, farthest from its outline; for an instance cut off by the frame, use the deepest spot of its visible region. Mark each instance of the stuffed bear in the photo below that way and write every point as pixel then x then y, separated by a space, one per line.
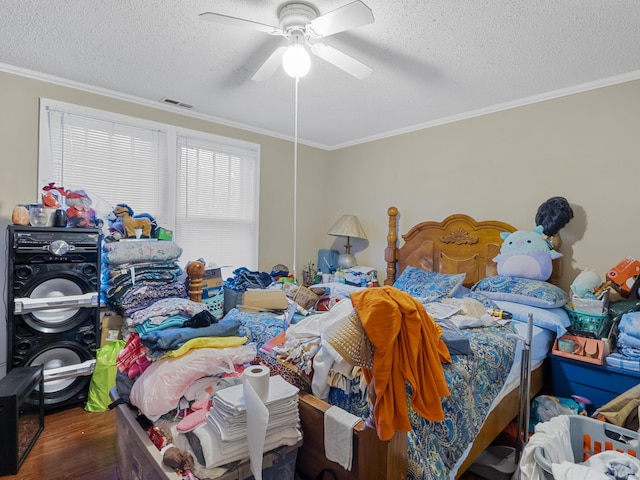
pixel 526 254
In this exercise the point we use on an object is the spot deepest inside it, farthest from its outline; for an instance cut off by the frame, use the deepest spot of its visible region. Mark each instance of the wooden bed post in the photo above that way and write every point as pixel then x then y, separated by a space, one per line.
pixel 390 253
pixel 195 271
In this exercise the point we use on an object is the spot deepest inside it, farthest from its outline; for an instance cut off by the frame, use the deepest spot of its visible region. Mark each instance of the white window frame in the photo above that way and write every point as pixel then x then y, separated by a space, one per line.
pixel 45 165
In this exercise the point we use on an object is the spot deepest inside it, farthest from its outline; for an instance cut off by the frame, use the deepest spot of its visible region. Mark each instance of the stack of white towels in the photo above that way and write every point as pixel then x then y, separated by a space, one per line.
pixel 224 437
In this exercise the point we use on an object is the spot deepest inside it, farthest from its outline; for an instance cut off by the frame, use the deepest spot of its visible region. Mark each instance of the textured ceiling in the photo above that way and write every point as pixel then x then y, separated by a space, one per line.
pixel 432 60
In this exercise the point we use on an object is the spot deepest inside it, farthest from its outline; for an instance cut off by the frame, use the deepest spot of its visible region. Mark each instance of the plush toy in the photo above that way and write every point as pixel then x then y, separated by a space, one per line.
pixel 130 222
pixel 79 211
pixel 52 195
pixel 585 284
pixel 526 254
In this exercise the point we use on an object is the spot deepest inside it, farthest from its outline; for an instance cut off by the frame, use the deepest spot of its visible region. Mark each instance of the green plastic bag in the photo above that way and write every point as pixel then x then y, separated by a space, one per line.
pixel 103 378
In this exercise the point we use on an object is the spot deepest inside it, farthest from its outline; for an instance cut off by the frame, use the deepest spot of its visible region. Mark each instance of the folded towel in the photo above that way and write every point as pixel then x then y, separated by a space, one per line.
pixel 630 324
pixel 338 436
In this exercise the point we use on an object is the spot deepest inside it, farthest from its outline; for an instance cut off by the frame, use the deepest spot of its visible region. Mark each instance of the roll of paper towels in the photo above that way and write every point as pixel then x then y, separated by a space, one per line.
pixel 258 377
pixel 256 393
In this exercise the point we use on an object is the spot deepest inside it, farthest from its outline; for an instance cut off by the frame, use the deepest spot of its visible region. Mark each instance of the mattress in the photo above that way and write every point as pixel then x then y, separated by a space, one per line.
pixel 541 343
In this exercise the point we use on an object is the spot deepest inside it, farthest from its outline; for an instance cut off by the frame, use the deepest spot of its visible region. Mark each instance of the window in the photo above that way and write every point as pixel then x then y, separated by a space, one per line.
pixel 202 186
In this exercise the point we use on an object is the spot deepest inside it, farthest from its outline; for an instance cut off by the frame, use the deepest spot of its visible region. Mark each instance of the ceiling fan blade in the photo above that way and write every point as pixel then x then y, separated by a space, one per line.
pixel 239 22
pixel 341 60
pixel 270 65
pixel 352 15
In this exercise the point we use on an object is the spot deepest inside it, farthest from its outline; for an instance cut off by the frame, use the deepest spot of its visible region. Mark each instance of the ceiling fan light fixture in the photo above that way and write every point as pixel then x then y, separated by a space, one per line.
pixel 296 61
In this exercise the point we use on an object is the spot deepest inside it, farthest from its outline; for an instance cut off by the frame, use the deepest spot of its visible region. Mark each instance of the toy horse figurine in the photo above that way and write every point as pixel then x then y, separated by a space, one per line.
pixel 131 223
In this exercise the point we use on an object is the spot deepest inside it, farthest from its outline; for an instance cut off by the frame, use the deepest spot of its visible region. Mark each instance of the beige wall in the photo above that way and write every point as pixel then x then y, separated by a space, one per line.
pixel 19 161
pixel 19 97
pixel 585 147
pixel 501 166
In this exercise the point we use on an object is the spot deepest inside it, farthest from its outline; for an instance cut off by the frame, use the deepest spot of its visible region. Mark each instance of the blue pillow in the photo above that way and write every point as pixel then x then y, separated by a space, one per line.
pixel 554 319
pixel 428 286
pixel 526 291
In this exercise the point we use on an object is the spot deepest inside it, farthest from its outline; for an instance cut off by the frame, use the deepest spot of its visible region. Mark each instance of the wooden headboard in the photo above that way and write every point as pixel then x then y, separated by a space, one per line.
pixel 458 244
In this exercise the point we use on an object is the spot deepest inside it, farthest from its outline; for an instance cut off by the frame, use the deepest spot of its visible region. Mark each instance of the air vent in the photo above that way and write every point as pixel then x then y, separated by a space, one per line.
pixel 170 101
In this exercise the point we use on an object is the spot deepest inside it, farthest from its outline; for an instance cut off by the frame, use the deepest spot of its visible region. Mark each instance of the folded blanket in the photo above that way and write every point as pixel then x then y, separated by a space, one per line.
pixel 117 253
pixel 626 340
pixel 630 325
pixel 167 307
pixel 211 447
pixel 175 337
pixel 143 296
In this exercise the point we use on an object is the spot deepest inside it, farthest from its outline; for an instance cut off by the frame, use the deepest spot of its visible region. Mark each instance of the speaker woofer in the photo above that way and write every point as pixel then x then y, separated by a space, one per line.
pixel 59 392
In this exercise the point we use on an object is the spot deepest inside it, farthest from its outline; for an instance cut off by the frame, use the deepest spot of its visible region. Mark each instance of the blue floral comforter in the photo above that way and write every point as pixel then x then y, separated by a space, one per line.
pixel 474 381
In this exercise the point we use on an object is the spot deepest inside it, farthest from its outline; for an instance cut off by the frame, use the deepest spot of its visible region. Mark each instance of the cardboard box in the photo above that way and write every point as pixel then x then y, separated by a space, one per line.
pixel 111 329
pixel 211 282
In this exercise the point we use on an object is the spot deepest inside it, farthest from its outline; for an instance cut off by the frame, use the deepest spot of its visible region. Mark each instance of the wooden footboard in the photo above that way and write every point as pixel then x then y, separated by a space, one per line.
pixel 373 459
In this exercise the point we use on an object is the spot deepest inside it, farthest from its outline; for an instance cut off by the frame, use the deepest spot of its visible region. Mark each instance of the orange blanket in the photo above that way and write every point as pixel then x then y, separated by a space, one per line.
pixel 408 348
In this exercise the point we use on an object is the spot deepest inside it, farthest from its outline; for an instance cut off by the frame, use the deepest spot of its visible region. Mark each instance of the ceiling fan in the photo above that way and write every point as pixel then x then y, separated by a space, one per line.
pixel 301 24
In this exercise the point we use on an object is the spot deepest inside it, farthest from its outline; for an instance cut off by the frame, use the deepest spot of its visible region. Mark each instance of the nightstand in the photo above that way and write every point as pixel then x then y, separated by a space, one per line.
pixel 598 383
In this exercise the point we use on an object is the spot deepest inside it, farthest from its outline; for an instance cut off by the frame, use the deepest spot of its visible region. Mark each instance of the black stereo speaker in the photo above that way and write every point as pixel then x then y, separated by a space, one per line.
pixel 53 307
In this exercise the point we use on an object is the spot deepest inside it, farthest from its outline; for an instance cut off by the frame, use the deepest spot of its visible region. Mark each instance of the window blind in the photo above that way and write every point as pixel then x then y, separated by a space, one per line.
pixel 112 162
pixel 202 186
pixel 217 204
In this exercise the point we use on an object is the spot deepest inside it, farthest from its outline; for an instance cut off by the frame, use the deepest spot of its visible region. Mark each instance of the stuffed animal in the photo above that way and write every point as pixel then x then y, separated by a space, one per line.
pixel 52 195
pixel 79 211
pixel 526 254
pixel 585 284
pixel 130 222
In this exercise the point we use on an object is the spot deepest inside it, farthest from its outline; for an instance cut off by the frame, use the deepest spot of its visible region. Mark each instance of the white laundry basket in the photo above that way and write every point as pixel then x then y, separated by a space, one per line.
pixel 588 437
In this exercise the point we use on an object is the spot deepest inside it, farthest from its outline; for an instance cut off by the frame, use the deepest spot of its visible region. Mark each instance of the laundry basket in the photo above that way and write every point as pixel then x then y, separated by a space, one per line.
pixel 588 437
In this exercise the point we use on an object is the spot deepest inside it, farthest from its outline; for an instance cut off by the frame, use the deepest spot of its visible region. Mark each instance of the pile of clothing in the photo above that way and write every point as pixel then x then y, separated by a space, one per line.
pixel 136 274
pixel 627 352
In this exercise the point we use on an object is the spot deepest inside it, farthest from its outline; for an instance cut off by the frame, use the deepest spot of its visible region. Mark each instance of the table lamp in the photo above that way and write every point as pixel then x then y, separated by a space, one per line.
pixel 347 226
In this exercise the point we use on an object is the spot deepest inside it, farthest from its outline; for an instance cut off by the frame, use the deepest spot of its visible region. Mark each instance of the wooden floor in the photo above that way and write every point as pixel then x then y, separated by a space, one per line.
pixel 74 444
pixel 79 445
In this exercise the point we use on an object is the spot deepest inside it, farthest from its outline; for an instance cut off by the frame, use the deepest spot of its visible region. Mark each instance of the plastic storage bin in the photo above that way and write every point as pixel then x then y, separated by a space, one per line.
pixel 139 459
pixel 586 322
pixel 588 437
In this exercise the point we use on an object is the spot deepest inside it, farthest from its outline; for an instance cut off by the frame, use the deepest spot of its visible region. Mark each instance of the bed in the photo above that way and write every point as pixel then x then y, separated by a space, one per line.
pixel 458 244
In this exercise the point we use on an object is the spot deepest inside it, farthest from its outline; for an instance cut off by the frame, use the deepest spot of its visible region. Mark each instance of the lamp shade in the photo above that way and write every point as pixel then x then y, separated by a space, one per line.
pixel 347 226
